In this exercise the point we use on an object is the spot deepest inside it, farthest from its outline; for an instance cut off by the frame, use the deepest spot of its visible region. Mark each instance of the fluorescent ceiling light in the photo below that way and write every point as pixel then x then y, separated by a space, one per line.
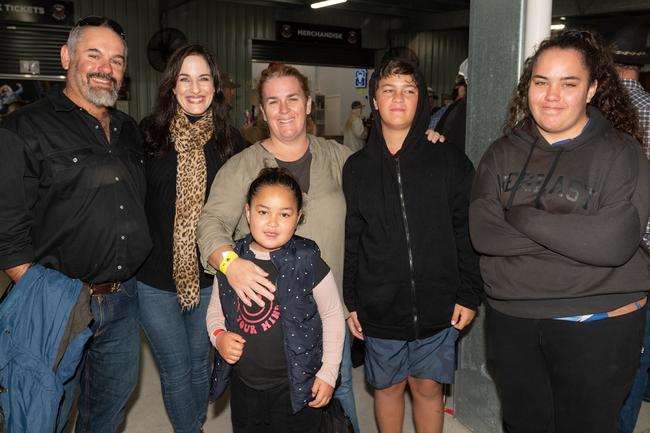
pixel 325 3
pixel 557 26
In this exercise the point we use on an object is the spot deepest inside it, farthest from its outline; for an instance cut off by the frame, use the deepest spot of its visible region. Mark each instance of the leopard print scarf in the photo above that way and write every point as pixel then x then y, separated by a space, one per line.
pixel 191 177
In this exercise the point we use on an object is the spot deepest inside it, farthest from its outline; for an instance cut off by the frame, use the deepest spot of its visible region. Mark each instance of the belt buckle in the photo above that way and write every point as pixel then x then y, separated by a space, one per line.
pixel 114 287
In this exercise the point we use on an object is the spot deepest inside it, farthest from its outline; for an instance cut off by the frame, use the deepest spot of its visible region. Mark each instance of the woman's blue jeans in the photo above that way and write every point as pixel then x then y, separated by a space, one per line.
pixel 343 392
pixel 181 347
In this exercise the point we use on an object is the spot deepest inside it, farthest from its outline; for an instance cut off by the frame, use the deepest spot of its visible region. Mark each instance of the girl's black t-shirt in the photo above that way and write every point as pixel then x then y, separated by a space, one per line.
pixel 263 365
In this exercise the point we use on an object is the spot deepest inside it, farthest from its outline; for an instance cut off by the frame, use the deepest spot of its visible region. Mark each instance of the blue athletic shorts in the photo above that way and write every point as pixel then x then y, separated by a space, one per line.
pixel 388 362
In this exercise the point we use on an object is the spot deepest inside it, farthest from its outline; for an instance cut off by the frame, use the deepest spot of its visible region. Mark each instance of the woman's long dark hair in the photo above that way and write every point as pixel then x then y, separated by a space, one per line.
pixel 156 126
pixel 611 98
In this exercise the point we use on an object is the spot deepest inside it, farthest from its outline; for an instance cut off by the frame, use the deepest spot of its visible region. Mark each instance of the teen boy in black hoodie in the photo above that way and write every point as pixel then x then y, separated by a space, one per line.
pixel 411 279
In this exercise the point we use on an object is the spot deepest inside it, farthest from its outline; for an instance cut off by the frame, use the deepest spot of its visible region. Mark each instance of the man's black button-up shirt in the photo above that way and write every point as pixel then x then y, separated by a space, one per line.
pixel 70 199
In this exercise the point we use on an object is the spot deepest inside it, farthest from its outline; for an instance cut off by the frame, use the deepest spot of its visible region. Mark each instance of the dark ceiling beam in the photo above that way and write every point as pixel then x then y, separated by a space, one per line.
pixel 405 8
pixel 415 6
pixel 440 21
pixel 271 2
pixel 397 9
pixel 592 7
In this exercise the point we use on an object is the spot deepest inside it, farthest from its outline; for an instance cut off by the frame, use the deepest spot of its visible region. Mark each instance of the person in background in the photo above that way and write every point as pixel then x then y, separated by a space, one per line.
pixel 79 208
pixel 255 132
pixel 451 123
pixel 629 54
pixel 432 98
pixel 285 356
pixel 16 105
pixel 411 279
pixel 355 132
pixel 285 104
pixel 187 138
pixel 559 206
pixel 229 89
pixel 9 95
pixel 447 100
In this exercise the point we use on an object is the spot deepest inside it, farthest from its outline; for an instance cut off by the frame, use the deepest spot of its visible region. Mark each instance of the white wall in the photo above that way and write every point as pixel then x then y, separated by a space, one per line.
pixel 340 81
pixel 327 80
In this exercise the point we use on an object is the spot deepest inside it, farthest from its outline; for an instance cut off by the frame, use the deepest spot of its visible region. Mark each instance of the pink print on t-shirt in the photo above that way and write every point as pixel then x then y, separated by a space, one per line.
pixel 256 319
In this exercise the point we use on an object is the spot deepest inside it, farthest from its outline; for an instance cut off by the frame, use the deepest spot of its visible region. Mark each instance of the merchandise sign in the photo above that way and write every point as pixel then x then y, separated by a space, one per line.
pixel 317 33
pixel 38 12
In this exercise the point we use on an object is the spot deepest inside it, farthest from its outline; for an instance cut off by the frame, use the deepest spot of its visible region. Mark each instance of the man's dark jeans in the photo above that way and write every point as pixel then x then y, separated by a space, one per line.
pixel 109 372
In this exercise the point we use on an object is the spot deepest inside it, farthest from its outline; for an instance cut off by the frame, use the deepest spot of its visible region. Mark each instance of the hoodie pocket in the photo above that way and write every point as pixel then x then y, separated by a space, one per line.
pixel 387 306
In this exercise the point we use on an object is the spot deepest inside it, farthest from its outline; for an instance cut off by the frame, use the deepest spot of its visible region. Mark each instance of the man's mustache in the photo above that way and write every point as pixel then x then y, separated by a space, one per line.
pixel 102 76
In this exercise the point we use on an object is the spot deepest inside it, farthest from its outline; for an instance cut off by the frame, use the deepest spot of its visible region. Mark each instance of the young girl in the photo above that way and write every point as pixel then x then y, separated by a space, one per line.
pixel 281 359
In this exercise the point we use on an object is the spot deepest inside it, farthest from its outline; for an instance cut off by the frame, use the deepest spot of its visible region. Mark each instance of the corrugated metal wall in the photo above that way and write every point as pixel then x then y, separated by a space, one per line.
pixel 140 21
pixel 18 44
pixel 440 54
pixel 227 29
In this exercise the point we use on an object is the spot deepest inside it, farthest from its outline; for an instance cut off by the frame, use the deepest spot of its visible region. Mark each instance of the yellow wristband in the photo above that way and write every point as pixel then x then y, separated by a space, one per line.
pixel 228 258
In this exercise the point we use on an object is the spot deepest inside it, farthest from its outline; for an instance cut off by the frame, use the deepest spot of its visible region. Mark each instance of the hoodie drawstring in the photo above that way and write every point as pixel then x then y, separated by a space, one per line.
pixel 520 179
pixel 522 175
pixel 547 179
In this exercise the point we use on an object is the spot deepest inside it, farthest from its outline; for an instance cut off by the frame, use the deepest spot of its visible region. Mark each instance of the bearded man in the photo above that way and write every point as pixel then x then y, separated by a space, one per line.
pixel 73 201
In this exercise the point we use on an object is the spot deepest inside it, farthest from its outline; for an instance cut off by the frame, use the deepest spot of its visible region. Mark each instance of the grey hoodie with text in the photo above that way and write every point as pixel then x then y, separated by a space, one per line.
pixel 559 227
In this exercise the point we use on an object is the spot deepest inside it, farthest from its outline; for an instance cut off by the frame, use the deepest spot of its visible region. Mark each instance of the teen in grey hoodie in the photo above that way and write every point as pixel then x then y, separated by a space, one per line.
pixel 558 208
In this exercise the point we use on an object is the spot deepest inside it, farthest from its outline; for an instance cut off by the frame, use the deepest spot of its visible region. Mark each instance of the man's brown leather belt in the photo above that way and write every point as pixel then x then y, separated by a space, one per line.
pixel 103 288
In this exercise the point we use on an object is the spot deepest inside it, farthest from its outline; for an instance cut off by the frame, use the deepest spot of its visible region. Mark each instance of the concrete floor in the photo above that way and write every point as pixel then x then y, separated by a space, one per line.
pixel 147 413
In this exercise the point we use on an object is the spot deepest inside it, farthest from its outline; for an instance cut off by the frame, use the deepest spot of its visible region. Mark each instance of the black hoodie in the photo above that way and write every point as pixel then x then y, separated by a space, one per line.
pixel 408 258
pixel 560 226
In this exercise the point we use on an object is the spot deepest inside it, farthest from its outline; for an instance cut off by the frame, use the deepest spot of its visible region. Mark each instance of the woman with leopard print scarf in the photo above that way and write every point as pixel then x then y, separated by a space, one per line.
pixel 187 138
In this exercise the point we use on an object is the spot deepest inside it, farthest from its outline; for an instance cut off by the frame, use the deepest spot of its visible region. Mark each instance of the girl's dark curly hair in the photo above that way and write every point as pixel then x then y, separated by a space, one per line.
pixel 611 98
pixel 272 176
pixel 156 126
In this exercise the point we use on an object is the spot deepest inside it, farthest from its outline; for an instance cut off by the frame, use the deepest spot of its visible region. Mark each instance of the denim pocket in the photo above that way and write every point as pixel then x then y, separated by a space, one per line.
pixel 129 288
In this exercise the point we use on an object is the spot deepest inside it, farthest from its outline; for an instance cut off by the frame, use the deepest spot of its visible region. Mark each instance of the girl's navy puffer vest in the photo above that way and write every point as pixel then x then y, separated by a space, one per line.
pixel 301 323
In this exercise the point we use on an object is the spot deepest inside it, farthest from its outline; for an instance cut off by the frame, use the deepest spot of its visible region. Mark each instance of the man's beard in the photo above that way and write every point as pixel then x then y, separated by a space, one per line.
pixel 99 96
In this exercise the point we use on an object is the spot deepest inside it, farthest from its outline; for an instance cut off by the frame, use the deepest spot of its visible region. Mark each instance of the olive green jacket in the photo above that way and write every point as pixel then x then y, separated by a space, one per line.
pixel 223 219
